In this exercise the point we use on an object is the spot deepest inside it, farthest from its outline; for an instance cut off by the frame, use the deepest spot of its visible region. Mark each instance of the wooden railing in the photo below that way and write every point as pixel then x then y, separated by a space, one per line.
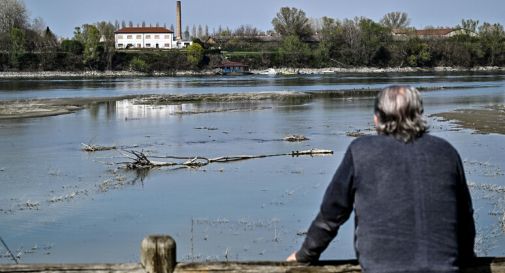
pixel 158 255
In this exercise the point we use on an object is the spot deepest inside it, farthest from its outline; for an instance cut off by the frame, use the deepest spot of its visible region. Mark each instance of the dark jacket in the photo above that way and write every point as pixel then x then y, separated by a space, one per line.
pixel 413 210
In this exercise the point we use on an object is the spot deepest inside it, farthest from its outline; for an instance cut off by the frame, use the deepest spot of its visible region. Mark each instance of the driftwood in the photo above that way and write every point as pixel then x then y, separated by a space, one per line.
pixel 95 148
pixel 295 138
pixel 142 161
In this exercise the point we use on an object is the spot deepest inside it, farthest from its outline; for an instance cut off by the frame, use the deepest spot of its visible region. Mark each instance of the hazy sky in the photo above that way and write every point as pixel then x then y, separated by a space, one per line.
pixel 63 15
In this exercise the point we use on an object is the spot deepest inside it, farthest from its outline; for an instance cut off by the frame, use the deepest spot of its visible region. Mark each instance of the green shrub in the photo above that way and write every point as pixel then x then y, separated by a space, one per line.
pixel 138 64
pixel 72 46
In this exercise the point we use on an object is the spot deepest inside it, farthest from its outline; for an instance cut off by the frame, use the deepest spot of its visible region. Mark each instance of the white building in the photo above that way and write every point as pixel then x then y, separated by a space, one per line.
pixel 147 37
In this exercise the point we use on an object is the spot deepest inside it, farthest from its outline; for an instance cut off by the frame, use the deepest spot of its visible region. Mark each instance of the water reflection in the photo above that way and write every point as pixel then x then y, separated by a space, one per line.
pixel 127 109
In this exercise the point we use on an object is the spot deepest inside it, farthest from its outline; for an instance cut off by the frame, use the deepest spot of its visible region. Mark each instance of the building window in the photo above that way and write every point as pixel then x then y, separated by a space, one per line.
pixel 148 36
pixel 167 45
pixel 167 36
pixel 156 36
pixel 129 36
pixel 139 36
pixel 120 36
pixel 148 45
pixel 120 45
pixel 139 45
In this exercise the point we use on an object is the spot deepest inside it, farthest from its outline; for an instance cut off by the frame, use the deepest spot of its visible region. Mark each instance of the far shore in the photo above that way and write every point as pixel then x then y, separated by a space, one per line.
pixel 11 75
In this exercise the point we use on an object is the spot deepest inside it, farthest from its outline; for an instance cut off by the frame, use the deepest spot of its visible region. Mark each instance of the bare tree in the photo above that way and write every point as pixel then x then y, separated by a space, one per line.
pixel 130 24
pixel 351 34
pixel 469 24
pixel 123 24
pixel 246 31
pixel 106 32
pixel 206 33
pixel 492 36
pixel 292 21
pixel 186 33
pixel 193 32
pixel 200 31
pixel 38 25
pixel 316 24
pixel 396 20
pixel 13 13
pixel 143 23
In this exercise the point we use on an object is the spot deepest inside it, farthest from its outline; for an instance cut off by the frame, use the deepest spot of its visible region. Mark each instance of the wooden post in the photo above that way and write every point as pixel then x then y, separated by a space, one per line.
pixel 157 254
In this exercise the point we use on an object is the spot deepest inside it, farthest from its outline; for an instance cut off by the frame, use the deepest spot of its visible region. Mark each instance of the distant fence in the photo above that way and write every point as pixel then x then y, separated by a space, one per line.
pixel 158 255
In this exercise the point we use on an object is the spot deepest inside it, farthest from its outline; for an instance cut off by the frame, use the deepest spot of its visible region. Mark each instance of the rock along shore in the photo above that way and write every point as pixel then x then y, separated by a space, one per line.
pixel 209 72
pixel 330 70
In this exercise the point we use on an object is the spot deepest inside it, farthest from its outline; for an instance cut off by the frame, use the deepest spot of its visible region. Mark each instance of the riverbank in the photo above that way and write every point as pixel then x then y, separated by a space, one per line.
pixel 331 70
pixel 211 72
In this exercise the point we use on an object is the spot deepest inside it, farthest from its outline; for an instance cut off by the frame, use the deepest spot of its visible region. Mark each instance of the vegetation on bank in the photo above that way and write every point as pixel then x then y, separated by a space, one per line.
pixel 295 41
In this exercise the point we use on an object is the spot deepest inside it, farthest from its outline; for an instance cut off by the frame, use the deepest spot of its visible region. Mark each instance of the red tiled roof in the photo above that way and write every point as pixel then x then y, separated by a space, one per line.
pixel 231 64
pixel 144 30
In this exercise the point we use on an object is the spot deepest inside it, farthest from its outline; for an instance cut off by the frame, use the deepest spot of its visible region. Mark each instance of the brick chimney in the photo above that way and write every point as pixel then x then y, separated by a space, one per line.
pixel 179 22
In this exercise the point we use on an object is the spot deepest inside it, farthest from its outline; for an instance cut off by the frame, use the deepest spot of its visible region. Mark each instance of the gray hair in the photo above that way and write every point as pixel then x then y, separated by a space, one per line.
pixel 399 110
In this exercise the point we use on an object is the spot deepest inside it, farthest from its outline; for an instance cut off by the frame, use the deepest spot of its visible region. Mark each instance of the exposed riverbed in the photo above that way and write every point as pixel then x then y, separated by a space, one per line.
pixel 61 204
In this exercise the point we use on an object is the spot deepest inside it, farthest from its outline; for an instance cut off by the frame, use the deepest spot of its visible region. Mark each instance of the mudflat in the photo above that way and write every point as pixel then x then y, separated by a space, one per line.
pixel 486 120
pixel 27 108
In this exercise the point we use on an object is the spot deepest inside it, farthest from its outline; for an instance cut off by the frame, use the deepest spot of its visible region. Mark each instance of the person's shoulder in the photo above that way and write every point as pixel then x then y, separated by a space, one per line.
pixel 364 139
pixel 365 142
pixel 441 144
pixel 429 138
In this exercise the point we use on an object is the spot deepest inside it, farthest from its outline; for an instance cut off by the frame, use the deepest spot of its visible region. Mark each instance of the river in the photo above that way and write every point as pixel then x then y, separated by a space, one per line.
pixel 61 204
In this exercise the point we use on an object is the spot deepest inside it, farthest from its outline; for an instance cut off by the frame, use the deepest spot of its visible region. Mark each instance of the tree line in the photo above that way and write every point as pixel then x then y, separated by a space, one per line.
pixel 294 41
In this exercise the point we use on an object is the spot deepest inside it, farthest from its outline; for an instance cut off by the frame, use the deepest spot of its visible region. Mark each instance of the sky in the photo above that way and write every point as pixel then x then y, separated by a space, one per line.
pixel 62 16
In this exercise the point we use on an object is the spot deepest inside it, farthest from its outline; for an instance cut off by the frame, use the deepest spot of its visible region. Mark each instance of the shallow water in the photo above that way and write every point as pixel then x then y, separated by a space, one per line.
pixel 60 204
pixel 29 89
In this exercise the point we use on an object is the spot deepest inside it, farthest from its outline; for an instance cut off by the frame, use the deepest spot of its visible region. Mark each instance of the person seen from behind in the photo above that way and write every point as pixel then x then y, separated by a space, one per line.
pixel 407 188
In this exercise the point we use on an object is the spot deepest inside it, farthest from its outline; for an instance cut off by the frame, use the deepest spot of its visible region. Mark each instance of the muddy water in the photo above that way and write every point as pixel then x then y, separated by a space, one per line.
pixel 60 204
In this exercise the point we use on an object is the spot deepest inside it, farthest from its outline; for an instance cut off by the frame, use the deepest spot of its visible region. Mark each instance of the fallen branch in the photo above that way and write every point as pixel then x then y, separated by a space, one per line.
pixel 142 161
pixel 311 152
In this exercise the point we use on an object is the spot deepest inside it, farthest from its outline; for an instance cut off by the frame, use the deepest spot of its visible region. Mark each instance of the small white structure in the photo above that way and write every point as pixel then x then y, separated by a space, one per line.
pixel 431 33
pixel 147 37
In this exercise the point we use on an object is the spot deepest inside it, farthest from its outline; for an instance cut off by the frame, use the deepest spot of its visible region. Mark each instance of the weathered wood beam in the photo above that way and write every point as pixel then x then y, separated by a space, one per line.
pixel 158 255
pixel 72 268
pixel 267 267
pixel 480 265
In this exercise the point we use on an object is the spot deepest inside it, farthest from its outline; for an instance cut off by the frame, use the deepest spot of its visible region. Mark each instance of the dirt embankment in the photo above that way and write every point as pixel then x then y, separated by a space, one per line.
pixel 490 119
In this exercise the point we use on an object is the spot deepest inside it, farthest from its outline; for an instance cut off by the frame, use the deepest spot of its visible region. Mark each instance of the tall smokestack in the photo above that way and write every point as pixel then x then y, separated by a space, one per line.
pixel 179 22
